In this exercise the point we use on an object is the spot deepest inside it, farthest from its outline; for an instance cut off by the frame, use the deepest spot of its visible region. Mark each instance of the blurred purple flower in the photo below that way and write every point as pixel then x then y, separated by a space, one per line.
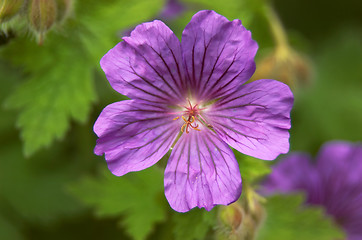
pixel 334 181
pixel 192 93
pixel 172 9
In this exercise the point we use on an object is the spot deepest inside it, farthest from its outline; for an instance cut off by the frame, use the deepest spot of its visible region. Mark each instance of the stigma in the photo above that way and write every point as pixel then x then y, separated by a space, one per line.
pixel 192 117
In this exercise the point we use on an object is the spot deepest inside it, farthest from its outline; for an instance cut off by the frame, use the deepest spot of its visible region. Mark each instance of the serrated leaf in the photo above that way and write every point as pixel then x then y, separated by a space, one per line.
pixel 288 219
pixel 194 224
pixel 135 198
pixel 58 78
pixel 59 88
pixel 105 20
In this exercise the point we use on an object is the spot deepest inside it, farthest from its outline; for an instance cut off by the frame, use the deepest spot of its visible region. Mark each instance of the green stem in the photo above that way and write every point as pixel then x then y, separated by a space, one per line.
pixel 276 27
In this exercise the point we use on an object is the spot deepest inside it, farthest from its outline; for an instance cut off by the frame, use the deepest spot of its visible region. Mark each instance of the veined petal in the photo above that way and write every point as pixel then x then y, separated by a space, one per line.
pixel 255 118
pixel 340 167
pixel 336 158
pixel 134 135
pixel 218 54
pixel 201 172
pixel 147 65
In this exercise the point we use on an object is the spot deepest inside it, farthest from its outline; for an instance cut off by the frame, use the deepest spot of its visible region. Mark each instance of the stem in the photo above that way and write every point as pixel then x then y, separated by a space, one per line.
pixel 276 27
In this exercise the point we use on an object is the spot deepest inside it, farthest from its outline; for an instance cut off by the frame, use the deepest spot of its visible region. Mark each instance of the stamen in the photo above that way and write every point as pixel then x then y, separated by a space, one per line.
pixel 195 127
pixel 183 127
pixel 193 116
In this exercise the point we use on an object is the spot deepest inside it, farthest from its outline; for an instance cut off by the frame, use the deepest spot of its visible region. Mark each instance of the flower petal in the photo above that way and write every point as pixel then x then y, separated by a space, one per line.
pixel 134 135
pixel 335 160
pixel 147 65
pixel 218 54
pixel 201 172
pixel 340 167
pixel 255 118
pixel 292 174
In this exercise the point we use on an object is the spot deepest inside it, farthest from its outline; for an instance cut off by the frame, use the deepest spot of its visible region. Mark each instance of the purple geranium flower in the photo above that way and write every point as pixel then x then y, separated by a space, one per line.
pixel 334 181
pixel 190 97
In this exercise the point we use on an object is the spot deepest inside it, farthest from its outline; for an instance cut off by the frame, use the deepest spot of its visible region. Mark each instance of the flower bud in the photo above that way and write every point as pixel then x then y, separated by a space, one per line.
pixel 239 221
pixel 65 7
pixel 9 8
pixel 285 65
pixel 42 16
pixel 232 216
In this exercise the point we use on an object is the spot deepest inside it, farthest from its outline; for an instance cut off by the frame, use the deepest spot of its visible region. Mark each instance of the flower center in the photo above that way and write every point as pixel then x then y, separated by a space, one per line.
pixel 191 116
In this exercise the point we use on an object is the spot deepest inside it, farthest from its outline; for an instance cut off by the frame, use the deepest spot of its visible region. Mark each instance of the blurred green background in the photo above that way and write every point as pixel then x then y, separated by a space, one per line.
pixel 52 89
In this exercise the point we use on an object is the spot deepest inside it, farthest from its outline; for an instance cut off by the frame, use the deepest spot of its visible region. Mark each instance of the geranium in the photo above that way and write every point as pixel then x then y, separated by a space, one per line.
pixel 190 97
pixel 334 182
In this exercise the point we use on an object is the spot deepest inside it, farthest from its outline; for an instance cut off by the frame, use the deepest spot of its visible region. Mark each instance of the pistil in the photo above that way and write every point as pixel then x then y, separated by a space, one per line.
pixel 193 114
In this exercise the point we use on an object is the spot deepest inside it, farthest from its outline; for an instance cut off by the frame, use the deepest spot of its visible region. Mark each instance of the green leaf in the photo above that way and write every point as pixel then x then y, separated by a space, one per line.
pixel 59 88
pixel 287 219
pixel 9 77
pixel 251 168
pixel 104 21
pixel 58 75
pixel 194 224
pixel 137 197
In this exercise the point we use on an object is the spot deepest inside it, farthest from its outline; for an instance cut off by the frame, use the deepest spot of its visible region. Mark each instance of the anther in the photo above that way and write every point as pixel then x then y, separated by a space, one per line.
pixel 192 117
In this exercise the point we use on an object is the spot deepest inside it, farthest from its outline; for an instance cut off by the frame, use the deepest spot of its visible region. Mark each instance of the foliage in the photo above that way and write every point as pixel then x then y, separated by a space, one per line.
pixel 58 76
pixel 251 168
pixel 287 219
pixel 36 191
pixel 134 196
pixel 56 90
pixel 194 224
